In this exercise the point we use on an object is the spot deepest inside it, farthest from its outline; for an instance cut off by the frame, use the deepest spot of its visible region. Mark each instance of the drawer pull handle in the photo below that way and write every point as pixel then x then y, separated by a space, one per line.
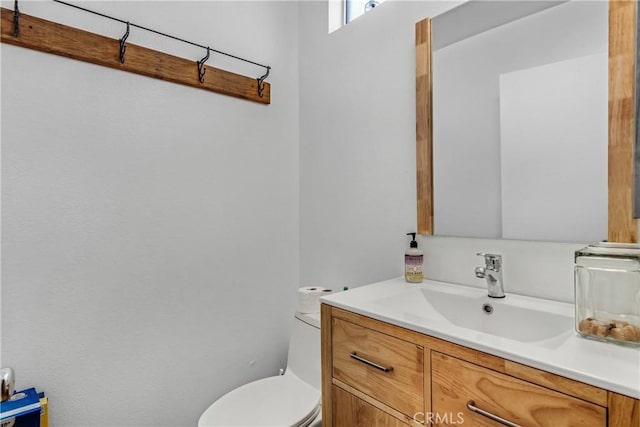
pixel 471 406
pixel 354 355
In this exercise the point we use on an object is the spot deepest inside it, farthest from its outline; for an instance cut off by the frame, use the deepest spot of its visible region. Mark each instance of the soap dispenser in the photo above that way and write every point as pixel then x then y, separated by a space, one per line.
pixel 413 259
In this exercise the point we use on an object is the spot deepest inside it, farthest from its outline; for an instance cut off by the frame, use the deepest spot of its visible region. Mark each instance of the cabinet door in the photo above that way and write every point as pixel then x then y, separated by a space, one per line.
pixel 350 411
pixel 456 383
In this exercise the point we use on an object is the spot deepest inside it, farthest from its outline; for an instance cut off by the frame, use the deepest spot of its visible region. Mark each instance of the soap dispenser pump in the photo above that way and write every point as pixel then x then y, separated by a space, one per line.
pixel 413 259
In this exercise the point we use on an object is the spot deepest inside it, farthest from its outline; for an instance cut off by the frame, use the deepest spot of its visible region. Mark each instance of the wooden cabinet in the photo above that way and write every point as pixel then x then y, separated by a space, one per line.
pixel 377 374
pixel 456 384
pixel 386 368
pixel 351 411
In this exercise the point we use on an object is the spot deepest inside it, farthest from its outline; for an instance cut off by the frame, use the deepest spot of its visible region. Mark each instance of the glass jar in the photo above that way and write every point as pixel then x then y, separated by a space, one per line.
pixel 607 292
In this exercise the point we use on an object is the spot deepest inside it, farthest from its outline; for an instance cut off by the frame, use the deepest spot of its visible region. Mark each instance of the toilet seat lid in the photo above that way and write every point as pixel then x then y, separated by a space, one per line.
pixel 279 401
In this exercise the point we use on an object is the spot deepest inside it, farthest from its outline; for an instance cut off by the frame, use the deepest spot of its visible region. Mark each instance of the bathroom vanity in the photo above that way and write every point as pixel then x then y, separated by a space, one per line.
pixel 392 355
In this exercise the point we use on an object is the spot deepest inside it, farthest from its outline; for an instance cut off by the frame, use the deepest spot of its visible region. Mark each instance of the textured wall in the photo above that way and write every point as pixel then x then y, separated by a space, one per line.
pixel 357 142
pixel 149 230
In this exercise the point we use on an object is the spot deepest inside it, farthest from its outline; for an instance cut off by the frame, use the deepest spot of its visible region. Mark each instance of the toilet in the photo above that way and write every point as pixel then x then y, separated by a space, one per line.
pixel 288 400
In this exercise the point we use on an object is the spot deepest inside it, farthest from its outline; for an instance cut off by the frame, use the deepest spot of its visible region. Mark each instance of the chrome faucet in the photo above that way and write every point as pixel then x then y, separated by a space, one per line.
pixel 492 271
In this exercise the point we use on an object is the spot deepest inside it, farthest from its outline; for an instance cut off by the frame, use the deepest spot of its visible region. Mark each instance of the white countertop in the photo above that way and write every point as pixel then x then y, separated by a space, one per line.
pixel 606 365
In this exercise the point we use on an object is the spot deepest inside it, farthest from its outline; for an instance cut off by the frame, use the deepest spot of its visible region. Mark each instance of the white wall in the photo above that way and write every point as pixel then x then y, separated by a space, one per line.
pixel 357 163
pixel 554 171
pixel 467 160
pixel 357 142
pixel 149 230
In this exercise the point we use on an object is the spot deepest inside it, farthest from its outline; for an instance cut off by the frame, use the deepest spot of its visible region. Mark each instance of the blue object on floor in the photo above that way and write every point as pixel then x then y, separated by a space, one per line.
pixel 21 410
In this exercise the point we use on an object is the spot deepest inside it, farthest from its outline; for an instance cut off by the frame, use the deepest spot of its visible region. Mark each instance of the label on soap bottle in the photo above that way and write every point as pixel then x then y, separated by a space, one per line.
pixel 413 268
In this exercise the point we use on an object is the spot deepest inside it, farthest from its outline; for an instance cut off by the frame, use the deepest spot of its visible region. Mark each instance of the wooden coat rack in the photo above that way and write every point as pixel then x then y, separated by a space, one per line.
pixel 51 37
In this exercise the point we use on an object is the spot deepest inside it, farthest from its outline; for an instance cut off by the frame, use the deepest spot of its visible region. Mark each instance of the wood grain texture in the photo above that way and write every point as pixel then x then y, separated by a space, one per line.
pixel 562 384
pixel 455 382
pixel 622 56
pixel 556 382
pixel 559 383
pixel 424 128
pixel 51 37
pixel 350 411
pixel 380 405
pixel 623 411
pixel 470 355
pixel 383 327
pixel 326 363
pixel 402 388
pixel 427 380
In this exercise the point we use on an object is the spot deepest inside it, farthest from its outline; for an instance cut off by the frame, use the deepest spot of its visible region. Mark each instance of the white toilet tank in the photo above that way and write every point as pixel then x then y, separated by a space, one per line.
pixel 304 349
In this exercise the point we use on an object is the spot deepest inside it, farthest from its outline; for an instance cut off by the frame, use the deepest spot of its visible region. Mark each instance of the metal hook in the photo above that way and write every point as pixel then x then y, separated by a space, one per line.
pixel 16 19
pixel 261 82
pixel 123 48
pixel 201 69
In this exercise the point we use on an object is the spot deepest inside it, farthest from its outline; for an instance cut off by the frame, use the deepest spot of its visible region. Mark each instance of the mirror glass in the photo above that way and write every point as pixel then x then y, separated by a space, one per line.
pixel 520 120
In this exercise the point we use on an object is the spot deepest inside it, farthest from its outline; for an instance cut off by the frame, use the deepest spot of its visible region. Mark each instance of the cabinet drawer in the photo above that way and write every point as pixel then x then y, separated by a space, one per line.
pixel 349 411
pixel 455 383
pixel 401 386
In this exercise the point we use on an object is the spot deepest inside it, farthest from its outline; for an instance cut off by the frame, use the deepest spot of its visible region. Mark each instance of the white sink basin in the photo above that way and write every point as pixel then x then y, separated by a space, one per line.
pixel 532 331
pixel 515 317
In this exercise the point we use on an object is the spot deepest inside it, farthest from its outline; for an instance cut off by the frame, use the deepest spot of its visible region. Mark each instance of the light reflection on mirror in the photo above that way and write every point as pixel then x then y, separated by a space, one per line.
pixel 520 121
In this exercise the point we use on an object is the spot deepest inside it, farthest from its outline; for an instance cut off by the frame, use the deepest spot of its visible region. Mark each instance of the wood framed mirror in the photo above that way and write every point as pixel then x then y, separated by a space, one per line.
pixel 622 39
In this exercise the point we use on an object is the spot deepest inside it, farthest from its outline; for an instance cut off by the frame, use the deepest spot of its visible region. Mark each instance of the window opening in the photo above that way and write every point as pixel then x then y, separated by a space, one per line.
pixel 356 8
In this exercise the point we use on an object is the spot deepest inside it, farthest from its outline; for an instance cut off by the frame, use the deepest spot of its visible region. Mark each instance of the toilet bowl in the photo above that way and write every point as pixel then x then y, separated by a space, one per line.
pixel 288 400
